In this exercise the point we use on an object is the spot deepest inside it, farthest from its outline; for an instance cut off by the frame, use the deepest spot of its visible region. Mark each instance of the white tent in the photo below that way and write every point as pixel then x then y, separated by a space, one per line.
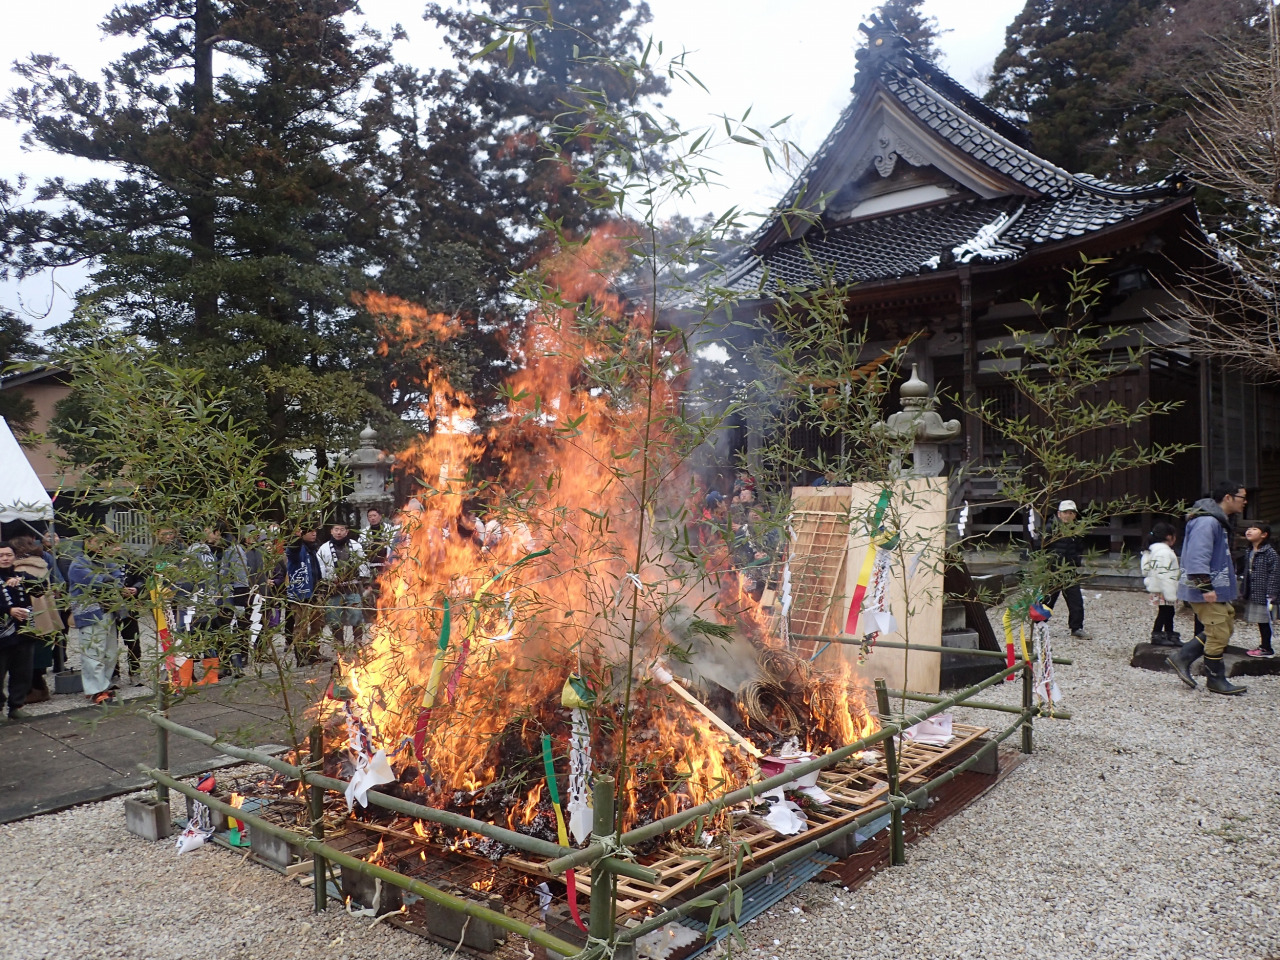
pixel 22 495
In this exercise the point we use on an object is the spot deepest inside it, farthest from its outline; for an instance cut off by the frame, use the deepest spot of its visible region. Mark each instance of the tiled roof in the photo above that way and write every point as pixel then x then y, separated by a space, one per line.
pixel 894 245
pixel 917 241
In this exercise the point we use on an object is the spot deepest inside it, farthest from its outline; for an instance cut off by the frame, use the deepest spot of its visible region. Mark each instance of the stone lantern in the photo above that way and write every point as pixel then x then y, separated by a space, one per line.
pixel 371 469
pixel 918 423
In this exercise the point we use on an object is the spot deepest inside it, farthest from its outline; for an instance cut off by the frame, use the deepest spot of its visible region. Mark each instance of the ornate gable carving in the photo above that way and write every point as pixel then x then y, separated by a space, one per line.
pixel 890 147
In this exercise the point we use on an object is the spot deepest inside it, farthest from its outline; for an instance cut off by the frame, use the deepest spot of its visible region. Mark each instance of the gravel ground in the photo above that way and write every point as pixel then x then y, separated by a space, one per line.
pixel 82 887
pixel 1146 827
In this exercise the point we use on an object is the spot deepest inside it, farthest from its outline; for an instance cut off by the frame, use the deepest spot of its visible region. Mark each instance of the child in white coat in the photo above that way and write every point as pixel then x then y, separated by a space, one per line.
pixel 1160 570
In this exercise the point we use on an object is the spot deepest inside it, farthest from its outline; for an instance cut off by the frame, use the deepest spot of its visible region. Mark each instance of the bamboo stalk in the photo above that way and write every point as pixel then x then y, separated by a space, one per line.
pixel 319 866
pixel 316 848
pixel 512 839
pixel 600 921
pixel 897 848
pixel 983 705
pixel 928 647
pixel 624 868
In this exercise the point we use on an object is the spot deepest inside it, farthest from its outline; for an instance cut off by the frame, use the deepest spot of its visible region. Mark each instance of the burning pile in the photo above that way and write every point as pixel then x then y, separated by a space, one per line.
pixel 582 563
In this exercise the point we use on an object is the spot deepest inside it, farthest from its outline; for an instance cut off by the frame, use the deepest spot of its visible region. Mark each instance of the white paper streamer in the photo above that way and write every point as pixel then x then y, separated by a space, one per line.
pixel 875 608
pixel 962 522
pixel 370 772
pixel 199 829
pixel 579 808
pixel 1046 686
pixel 255 619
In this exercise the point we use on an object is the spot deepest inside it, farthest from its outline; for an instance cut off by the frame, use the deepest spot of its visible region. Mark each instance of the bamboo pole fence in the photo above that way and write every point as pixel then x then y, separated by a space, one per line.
pixel 607 858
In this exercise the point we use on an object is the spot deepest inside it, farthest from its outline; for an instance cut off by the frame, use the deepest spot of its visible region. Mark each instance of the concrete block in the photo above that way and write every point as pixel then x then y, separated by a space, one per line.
pixel 147 817
pixel 989 765
pixel 275 851
pixel 479 934
pixel 364 890
pixel 68 681
pixel 842 847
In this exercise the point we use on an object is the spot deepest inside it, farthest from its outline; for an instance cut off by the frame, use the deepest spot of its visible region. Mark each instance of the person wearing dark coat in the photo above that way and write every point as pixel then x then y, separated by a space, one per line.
pixel 1261 587
pixel 1068 552
pixel 17 644
pixel 298 574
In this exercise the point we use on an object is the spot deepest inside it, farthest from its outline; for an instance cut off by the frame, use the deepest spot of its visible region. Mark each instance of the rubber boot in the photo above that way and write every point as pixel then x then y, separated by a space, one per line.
pixel 1182 661
pixel 1216 678
pixel 237 665
pixel 210 665
pixel 1166 638
pixel 184 674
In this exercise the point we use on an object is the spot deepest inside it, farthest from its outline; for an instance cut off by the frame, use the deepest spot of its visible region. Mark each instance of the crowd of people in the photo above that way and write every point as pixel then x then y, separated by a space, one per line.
pixel 208 603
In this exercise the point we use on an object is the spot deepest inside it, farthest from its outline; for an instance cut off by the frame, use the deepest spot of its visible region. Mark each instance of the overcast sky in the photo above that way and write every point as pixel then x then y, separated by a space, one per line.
pixel 779 57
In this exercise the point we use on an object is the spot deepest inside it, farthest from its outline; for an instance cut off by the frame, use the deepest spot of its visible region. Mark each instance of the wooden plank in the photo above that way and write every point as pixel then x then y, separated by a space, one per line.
pixel 918 512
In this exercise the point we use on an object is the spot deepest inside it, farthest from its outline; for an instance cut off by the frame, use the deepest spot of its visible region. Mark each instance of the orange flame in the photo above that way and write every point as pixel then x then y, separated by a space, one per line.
pixel 581 443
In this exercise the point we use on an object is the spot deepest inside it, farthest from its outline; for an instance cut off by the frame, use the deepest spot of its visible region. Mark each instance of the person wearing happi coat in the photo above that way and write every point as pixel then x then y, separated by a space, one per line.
pixel 298 574
pixel 345 575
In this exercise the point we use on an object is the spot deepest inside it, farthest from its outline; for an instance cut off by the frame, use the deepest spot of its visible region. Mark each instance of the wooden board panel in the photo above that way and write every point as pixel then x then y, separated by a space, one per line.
pixel 918 512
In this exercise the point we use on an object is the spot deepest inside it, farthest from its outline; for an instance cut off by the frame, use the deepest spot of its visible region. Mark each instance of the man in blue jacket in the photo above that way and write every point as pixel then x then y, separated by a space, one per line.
pixel 1208 583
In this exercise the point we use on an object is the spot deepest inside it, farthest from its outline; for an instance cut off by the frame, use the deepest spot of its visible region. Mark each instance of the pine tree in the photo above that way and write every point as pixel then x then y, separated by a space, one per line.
pixel 235 213
pixel 476 171
pixel 490 136
pixel 17 345
pixel 1103 84
pixel 911 23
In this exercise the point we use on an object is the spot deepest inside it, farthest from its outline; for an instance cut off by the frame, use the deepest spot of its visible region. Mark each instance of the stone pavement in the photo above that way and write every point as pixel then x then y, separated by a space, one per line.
pixel 81 753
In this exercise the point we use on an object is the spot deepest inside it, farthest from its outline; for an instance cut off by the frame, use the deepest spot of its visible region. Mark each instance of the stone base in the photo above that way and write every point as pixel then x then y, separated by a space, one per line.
pixel 989 765
pixel 1147 656
pixel 148 818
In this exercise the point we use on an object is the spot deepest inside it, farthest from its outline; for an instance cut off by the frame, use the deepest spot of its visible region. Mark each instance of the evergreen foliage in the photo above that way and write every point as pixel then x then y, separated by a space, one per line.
pixel 235 212
pixel 911 22
pixel 16 346
pixel 1104 85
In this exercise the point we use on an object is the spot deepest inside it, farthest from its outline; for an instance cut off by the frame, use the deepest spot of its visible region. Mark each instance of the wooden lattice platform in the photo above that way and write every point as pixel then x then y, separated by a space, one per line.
pixel 854 788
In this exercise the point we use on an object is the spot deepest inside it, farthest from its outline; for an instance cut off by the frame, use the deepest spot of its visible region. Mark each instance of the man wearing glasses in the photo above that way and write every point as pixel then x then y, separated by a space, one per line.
pixel 1208 583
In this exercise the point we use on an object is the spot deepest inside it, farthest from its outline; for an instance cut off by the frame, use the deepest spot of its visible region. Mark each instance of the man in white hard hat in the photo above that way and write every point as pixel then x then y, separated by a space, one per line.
pixel 1069 551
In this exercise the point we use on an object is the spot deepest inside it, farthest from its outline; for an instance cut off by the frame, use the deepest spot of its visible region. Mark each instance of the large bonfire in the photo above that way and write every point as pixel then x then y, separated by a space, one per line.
pixel 562 543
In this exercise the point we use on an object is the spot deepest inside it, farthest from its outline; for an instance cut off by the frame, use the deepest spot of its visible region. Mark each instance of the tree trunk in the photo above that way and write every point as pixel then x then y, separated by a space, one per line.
pixel 202 207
